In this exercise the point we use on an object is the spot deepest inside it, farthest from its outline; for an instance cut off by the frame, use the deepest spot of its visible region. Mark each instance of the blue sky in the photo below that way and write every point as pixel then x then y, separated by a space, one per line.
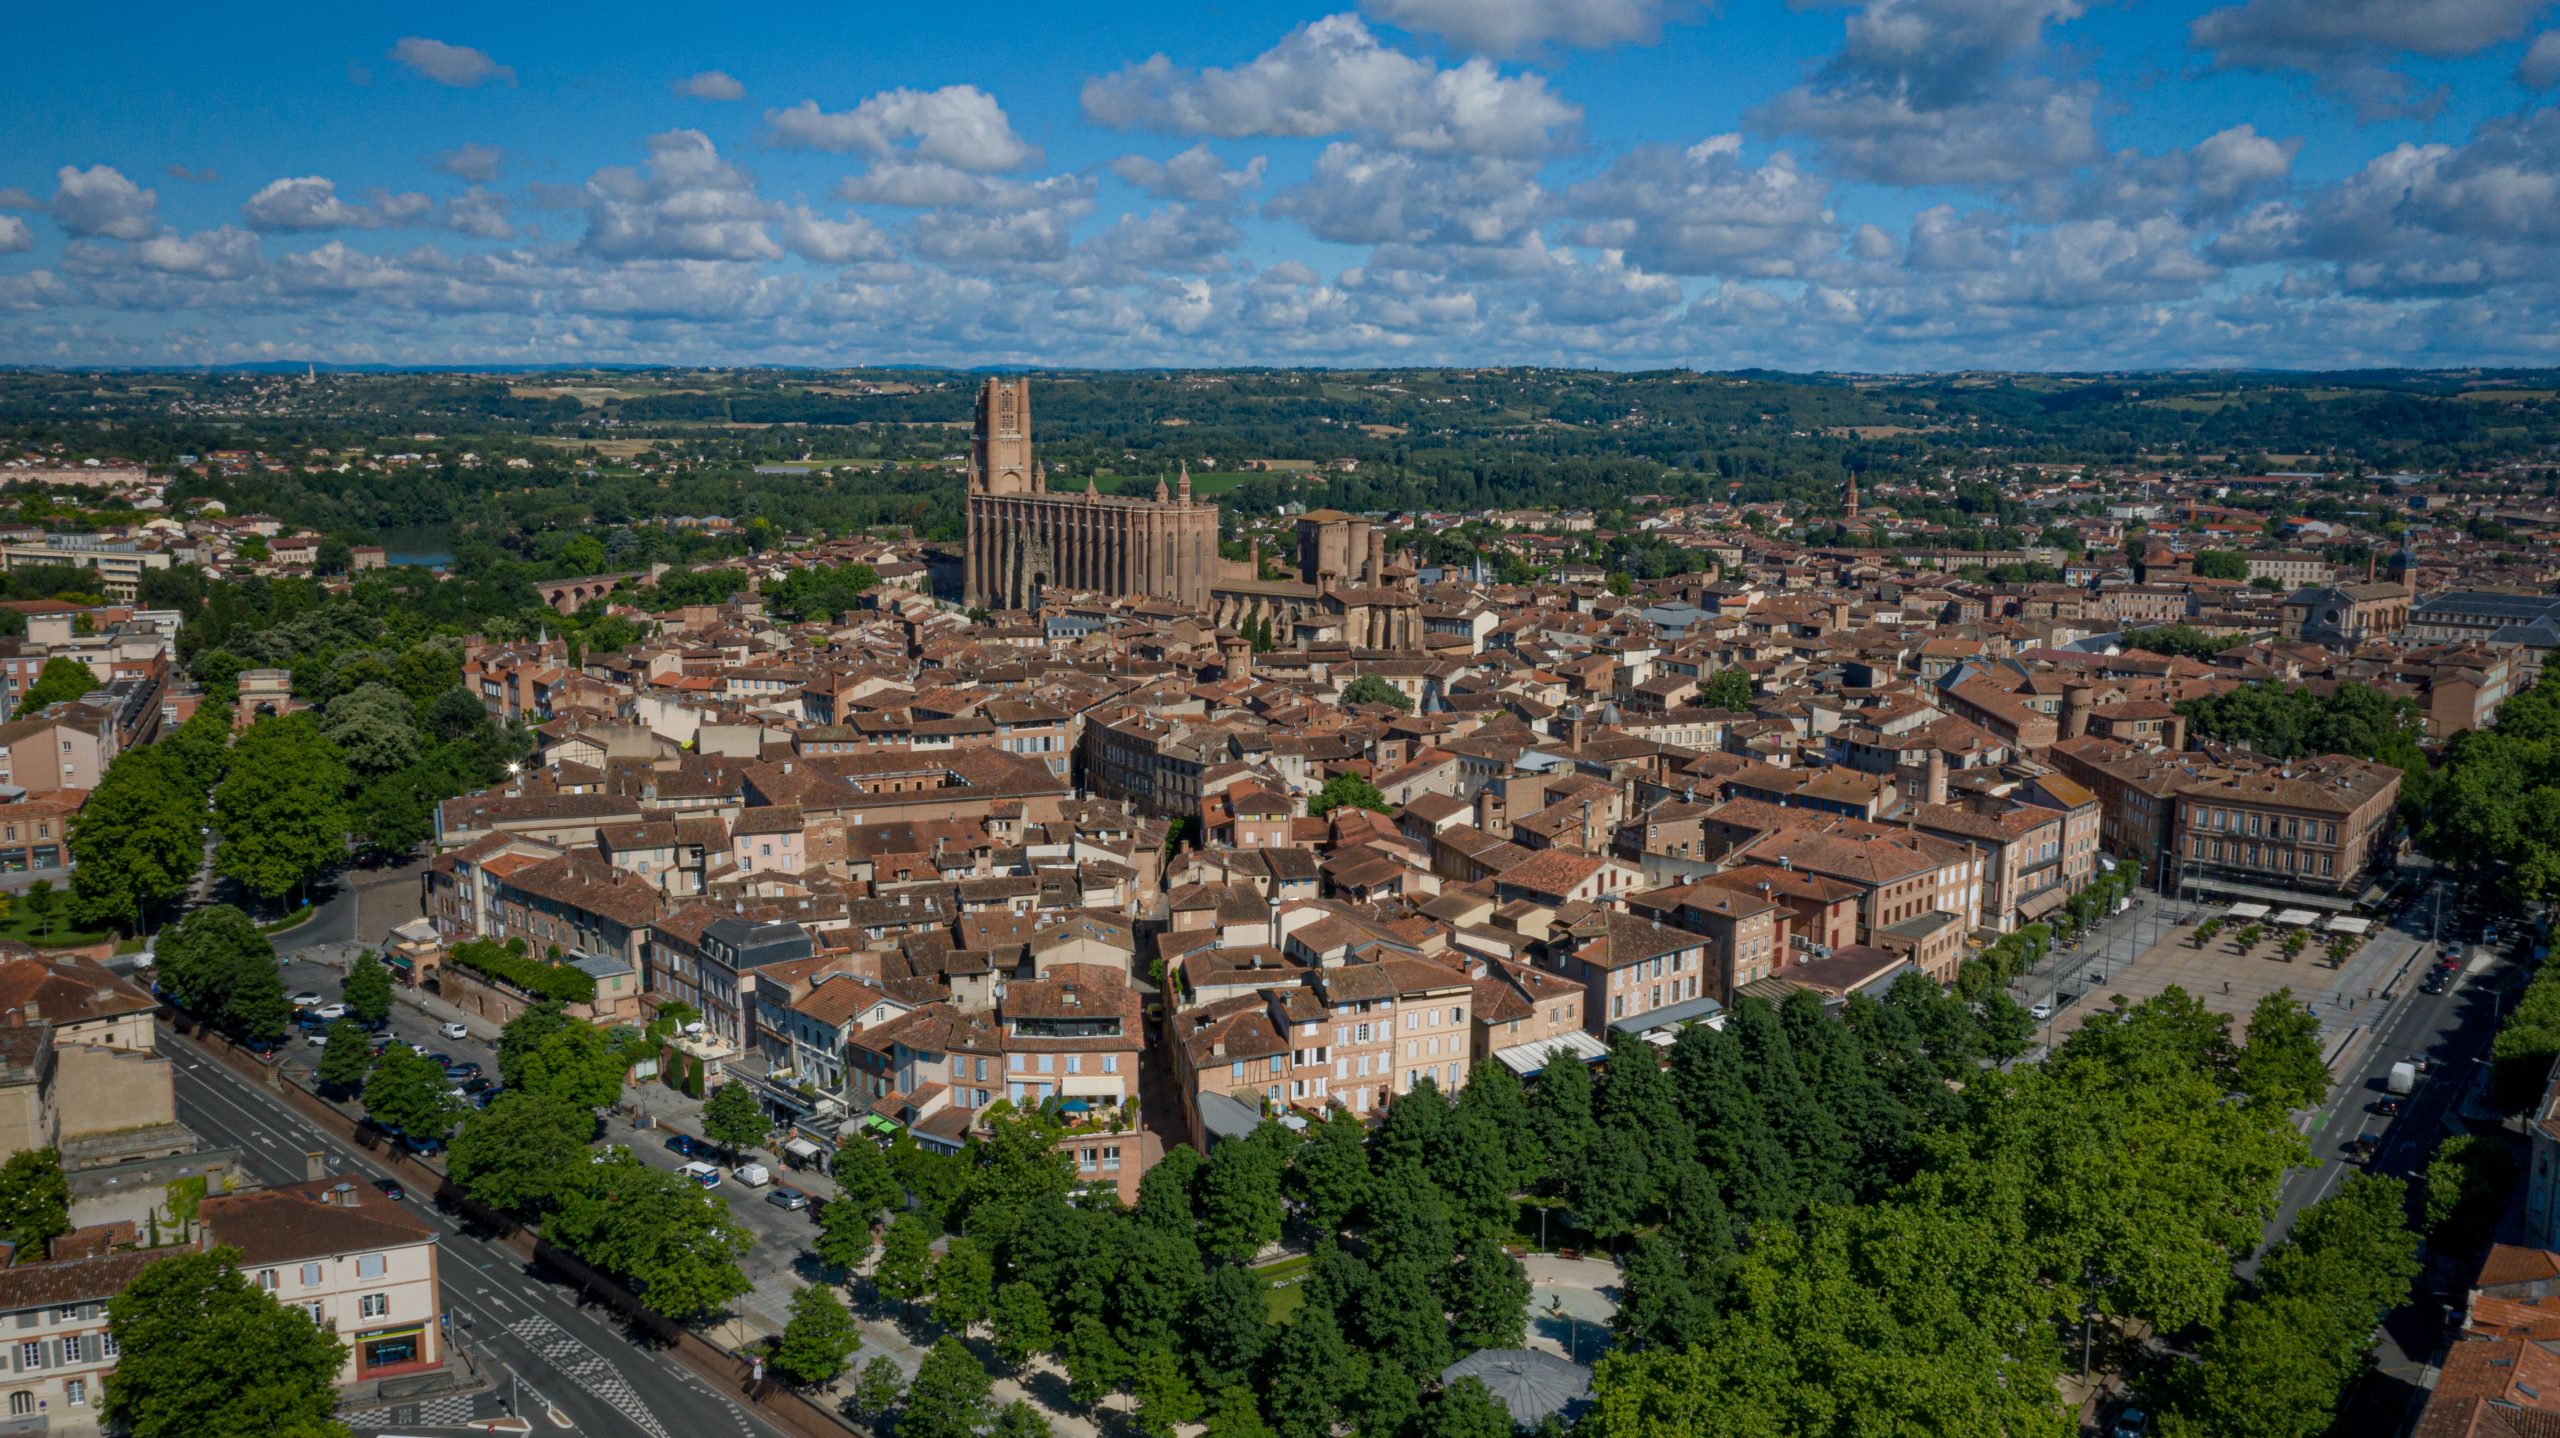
pixel 1888 185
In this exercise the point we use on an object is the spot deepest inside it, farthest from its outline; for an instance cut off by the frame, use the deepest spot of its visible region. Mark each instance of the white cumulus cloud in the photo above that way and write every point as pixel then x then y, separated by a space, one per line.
pixel 459 66
pixel 101 202
pixel 958 125
pixel 1516 27
pixel 711 85
pixel 1333 77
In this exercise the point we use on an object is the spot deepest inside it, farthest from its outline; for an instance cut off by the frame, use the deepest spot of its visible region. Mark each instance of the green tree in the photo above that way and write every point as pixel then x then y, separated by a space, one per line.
pixel 1166 1194
pixel 1371 689
pixel 1489 1299
pixel 877 1391
pixel 2281 1062
pixel 207 954
pixel 905 1270
pixel 1019 1319
pixel 201 1353
pixel 1560 1110
pixel 655 1229
pixel 1726 689
pixel 35 1201
pixel 2466 1186
pixel 1465 1409
pixel 1313 1374
pixel 61 679
pixel 1329 1171
pixel 137 841
pixel 963 1285
pixel 1240 1207
pixel 518 1154
pixel 1166 1398
pixel 1019 1419
pixel 948 1398
pixel 1608 1187
pixel 1659 1305
pixel 1230 1327
pixel 408 1095
pixel 524 1033
pixel 281 810
pixel 347 1059
pixel 1352 789
pixel 819 1337
pixel 1096 1364
pixel 1236 1414
pixel 2228 564
pixel 863 1178
pixel 577 1062
pixel 368 989
pixel 373 727
pixel 45 902
pixel 734 1118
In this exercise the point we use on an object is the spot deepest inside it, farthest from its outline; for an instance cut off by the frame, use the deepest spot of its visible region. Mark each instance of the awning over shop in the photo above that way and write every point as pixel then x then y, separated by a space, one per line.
pixel 2290 898
pixel 1527 1060
pixel 2296 919
pixel 2044 903
pixel 2341 924
pixel 2244 913
pixel 802 1149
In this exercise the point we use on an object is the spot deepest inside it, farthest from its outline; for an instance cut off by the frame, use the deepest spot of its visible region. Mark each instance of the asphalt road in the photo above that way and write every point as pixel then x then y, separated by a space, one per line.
pixel 525 1327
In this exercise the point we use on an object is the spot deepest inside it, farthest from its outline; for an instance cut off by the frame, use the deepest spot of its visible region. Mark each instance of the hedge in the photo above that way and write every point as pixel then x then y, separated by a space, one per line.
pixel 507 963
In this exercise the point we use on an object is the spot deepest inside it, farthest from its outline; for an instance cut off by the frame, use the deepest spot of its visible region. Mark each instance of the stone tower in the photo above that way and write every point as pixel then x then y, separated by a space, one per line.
pixel 1000 445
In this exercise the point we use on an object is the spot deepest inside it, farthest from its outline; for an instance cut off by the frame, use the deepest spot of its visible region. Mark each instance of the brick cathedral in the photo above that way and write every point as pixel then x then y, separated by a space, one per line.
pixel 1024 538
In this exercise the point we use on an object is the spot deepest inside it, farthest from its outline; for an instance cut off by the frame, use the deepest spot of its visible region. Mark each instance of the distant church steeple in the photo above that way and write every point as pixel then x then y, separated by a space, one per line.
pixel 1851 508
pixel 1159 489
pixel 1186 482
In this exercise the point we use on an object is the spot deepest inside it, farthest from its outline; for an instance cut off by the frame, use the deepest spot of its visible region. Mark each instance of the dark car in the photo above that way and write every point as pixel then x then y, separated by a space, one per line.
pixel 391 1189
pixel 2434 986
pixel 790 1198
pixel 686 1145
pixel 476 1085
pixel 2388 1107
pixel 442 1061
pixel 2360 1149
pixel 462 1071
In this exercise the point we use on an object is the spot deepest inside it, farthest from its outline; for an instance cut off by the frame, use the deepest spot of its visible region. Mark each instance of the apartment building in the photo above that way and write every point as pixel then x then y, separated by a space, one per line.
pixel 361 1264
pixel 2323 825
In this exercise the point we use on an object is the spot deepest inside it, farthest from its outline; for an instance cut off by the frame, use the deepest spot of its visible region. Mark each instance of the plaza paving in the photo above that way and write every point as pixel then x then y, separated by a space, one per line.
pixel 2231 982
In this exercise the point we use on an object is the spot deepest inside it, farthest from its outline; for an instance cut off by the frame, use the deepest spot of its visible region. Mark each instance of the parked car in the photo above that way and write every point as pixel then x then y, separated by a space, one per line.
pixel 2360 1149
pixel 331 1013
pixel 2040 1011
pixel 476 1086
pixel 463 1070
pixel 790 1198
pixel 2386 1107
pixel 686 1144
pixel 753 1175
pixel 2131 1423
pixel 701 1173
pixel 317 1038
pixel 452 1030
pixel 307 1000
pixel 391 1189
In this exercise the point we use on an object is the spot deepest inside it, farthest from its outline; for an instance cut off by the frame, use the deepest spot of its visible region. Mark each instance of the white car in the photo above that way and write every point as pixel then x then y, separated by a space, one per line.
pixel 2039 1011
pixel 317 1038
pixel 306 1000
pixel 451 1030
pixel 331 1012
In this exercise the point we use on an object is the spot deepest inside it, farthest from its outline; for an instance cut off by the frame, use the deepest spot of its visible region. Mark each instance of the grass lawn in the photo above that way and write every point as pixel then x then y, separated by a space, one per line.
pixel 289 921
pixel 21 926
pixel 1284 1288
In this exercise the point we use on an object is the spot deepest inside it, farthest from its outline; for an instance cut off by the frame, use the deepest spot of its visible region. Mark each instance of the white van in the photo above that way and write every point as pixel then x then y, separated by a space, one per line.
pixel 753 1175
pixel 701 1173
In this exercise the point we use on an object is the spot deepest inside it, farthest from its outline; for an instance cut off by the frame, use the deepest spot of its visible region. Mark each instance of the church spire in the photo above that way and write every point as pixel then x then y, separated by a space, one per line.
pixel 1851 508
pixel 1159 489
pixel 1186 482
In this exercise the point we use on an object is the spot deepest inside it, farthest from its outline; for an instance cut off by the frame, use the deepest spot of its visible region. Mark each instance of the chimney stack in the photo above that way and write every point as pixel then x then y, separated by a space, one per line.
pixel 1936 787
pixel 315 1165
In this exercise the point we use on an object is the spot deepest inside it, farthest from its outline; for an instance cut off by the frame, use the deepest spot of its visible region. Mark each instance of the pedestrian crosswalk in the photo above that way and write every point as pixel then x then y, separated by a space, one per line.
pixel 588 1369
pixel 450 1411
